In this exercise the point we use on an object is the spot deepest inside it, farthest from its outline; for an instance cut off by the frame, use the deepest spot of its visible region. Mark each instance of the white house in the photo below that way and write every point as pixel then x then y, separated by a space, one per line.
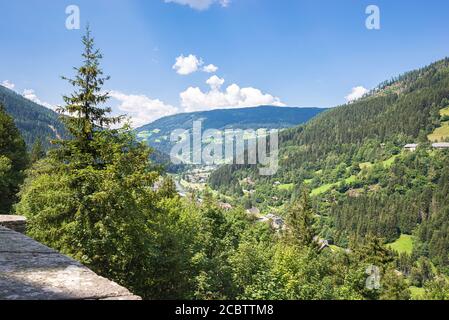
pixel 441 145
pixel 411 147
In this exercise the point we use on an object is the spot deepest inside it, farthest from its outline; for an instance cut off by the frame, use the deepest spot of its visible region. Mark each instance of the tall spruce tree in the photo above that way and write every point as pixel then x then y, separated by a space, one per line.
pixel 89 197
pixel 300 222
pixel 37 151
pixel 83 113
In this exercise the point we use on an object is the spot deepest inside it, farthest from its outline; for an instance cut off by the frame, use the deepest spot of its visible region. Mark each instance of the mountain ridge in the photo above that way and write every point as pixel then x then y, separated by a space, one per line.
pixel 33 120
pixel 157 133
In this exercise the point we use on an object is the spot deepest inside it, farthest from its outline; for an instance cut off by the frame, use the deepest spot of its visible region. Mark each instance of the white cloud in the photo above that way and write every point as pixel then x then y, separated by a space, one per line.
pixel 190 64
pixel 215 83
pixel 356 93
pixel 200 4
pixel 193 99
pixel 142 109
pixel 31 95
pixel 210 68
pixel 8 84
pixel 187 65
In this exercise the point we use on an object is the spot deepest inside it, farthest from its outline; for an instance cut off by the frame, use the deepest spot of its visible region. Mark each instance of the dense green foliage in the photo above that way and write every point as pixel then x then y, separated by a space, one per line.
pixel 13 161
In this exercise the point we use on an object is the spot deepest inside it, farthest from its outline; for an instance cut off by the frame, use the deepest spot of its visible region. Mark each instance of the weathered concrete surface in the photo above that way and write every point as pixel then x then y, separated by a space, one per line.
pixel 32 271
pixel 16 223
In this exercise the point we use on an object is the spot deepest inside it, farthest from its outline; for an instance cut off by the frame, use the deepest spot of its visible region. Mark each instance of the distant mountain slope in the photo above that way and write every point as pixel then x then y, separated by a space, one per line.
pixel 157 134
pixel 34 121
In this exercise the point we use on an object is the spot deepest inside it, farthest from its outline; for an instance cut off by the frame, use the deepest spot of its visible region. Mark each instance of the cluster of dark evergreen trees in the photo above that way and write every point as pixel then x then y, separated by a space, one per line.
pixel 13 161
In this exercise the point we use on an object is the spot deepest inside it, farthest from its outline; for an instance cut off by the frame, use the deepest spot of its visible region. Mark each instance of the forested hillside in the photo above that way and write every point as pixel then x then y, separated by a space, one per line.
pixel 403 110
pixel 13 161
pixel 352 161
pixel 398 109
pixel 34 121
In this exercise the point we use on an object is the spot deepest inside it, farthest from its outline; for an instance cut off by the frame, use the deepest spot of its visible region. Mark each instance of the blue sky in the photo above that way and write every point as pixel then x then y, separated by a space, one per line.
pixel 285 52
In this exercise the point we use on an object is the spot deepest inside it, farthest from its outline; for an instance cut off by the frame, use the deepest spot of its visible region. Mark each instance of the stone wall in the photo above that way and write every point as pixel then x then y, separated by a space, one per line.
pixel 16 223
pixel 32 271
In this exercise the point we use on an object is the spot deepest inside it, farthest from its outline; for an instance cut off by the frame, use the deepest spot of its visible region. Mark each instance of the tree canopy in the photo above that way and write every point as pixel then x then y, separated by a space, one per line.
pixel 13 161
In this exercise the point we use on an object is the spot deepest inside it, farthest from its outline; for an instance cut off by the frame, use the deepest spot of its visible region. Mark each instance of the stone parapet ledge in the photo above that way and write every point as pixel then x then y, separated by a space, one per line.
pixel 16 223
pixel 32 271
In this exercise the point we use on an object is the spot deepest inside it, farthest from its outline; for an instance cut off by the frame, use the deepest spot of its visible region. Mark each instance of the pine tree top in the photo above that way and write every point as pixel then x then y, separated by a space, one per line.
pixel 83 113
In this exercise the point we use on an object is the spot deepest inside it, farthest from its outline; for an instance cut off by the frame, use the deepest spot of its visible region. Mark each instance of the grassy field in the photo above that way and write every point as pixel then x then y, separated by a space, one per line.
pixel 327 187
pixel 308 181
pixel 322 189
pixel 403 245
pixel 417 293
pixel 287 186
pixel 335 248
pixel 389 162
pixel 444 112
pixel 440 133
pixel 365 165
pixel 351 179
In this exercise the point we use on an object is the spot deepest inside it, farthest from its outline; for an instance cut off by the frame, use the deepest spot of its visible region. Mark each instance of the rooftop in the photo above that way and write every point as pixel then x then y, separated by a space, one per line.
pixel 441 145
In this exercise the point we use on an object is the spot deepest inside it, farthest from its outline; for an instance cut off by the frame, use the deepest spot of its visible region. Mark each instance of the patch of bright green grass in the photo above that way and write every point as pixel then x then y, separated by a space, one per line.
pixel 403 245
pixel 389 162
pixel 351 179
pixel 322 189
pixel 327 187
pixel 440 133
pixel 417 293
pixel 335 248
pixel 365 165
pixel 287 186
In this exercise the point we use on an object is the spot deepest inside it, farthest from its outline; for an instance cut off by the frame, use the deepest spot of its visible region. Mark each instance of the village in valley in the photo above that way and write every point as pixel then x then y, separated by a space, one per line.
pixel 194 182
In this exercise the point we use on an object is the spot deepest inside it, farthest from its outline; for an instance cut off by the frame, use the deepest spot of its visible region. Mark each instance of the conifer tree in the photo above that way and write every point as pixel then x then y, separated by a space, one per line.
pixel 89 197
pixel 83 113
pixel 37 151
pixel 300 222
